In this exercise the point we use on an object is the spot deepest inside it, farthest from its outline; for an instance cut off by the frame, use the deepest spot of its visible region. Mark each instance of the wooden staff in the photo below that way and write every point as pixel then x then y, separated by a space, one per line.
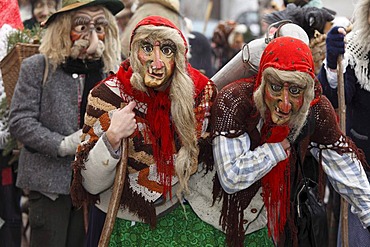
pixel 342 123
pixel 114 202
pixel 85 211
pixel 341 96
pixel 208 15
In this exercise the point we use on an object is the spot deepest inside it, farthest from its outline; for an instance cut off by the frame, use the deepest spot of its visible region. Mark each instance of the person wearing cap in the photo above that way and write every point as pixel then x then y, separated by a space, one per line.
pixel 262 130
pixel 79 48
pixel 166 106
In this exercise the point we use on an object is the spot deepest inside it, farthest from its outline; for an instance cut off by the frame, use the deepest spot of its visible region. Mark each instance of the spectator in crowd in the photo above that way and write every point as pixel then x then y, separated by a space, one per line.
pixel 125 15
pixel 79 48
pixel 200 53
pixel 355 47
pixel 10 195
pixel 41 10
pixel 227 41
pixel 315 21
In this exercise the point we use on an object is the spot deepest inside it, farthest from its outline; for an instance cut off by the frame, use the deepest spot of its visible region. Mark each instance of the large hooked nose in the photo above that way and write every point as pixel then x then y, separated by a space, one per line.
pixel 157 60
pixel 92 36
pixel 284 104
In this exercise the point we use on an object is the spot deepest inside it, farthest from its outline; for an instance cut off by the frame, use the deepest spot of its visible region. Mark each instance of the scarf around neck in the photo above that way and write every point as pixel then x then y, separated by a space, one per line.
pixel 288 54
pixel 92 71
pixel 161 128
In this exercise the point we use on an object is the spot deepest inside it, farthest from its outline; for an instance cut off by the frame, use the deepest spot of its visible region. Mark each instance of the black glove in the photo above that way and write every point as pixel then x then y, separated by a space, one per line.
pixel 368 228
pixel 334 47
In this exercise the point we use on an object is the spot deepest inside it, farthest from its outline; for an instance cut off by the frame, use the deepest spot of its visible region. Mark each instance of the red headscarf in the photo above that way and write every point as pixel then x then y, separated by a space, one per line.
pixel 156 20
pixel 288 54
pixel 158 114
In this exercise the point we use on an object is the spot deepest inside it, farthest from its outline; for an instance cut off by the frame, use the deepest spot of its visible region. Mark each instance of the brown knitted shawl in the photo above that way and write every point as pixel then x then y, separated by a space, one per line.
pixel 234 113
pixel 140 153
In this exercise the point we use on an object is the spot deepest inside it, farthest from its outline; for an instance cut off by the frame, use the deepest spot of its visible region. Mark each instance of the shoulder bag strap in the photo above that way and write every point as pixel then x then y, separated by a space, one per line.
pixel 46 71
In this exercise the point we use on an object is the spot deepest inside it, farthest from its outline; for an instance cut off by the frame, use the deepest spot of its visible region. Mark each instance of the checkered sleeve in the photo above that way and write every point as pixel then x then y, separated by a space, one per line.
pixel 238 167
pixel 349 179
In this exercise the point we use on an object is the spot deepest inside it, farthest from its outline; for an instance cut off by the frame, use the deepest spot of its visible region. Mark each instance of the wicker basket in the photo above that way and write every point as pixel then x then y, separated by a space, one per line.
pixel 318 50
pixel 11 63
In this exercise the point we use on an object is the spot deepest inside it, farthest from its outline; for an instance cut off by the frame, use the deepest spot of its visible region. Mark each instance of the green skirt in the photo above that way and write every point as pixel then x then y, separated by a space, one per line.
pixel 175 230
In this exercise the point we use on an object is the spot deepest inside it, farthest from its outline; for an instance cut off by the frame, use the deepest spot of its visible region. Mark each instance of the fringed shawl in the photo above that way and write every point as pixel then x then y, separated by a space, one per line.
pixel 323 130
pixel 205 92
pixel 235 113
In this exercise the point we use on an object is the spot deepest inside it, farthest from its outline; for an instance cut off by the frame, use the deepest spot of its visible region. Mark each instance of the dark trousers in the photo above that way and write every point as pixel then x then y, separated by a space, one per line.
pixel 96 223
pixel 10 209
pixel 55 223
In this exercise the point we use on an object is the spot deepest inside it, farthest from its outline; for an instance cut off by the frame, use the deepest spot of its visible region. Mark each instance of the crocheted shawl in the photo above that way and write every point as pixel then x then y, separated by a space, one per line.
pixel 242 116
pixel 357 53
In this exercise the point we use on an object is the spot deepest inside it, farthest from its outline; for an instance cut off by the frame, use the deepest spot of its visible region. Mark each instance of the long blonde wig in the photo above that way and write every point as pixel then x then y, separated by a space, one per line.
pixel 302 79
pixel 56 43
pixel 181 96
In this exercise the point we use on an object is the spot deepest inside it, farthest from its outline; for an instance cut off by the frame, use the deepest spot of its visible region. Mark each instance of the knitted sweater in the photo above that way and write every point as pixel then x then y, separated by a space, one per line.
pixel 95 164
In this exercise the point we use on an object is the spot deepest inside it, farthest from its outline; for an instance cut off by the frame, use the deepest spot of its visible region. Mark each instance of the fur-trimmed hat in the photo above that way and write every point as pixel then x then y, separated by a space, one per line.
pixel 114 6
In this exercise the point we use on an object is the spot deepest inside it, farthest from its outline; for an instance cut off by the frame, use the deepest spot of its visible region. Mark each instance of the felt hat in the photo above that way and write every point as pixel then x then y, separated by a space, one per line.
pixel 114 6
pixel 174 5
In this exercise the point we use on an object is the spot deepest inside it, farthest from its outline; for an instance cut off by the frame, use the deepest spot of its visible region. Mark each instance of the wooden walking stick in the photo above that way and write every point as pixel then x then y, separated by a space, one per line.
pixel 341 96
pixel 207 15
pixel 342 123
pixel 119 181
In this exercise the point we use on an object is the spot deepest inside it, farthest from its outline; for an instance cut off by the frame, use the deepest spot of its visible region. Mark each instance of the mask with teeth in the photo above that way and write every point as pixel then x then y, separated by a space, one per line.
pixel 284 99
pixel 285 86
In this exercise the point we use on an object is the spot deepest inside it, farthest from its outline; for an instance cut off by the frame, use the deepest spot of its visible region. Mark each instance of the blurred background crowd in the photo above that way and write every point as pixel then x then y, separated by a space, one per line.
pixel 225 24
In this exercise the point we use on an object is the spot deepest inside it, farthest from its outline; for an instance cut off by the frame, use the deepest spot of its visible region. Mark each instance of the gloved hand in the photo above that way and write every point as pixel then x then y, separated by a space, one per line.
pixel 69 144
pixel 334 47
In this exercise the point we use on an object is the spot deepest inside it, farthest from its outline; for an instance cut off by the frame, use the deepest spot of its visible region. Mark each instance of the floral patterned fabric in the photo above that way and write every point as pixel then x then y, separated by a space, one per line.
pixel 175 230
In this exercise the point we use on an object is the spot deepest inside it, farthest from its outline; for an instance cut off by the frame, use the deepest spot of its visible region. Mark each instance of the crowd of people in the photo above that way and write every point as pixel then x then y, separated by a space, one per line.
pixel 125 136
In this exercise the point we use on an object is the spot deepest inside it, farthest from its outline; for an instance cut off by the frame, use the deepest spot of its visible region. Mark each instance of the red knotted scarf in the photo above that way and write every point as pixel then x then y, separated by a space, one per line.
pixel 289 54
pixel 161 128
